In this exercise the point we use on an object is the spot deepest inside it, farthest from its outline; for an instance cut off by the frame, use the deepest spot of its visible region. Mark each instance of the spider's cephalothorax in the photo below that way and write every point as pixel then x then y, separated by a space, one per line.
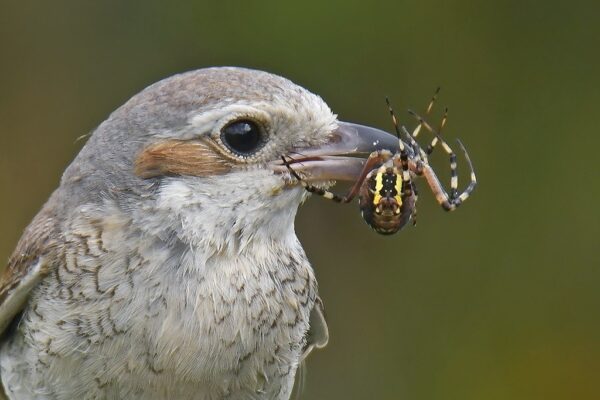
pixel 386 190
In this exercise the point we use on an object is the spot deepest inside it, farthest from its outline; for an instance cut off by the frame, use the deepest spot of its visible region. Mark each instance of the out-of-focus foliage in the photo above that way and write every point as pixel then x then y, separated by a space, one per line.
pixel 498 300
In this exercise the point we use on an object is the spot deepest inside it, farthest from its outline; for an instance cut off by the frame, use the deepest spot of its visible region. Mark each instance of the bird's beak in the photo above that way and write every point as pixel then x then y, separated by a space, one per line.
pixel 342 157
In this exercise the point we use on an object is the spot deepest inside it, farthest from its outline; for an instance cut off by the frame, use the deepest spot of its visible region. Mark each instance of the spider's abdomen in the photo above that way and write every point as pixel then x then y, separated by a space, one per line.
pixel 382 203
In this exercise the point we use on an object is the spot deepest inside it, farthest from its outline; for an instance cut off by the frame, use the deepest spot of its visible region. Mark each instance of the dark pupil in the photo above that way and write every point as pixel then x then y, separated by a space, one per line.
pixel 241 136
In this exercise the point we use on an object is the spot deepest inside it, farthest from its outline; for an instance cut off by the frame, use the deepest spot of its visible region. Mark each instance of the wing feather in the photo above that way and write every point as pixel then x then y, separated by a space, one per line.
pixel 27 266
pixel 318 333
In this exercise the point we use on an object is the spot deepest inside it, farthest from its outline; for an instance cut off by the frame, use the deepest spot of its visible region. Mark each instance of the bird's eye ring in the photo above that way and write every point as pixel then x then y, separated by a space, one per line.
pixel 243 137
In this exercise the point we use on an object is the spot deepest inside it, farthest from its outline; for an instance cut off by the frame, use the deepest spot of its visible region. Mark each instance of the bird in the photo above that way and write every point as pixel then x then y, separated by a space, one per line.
pixel 166 265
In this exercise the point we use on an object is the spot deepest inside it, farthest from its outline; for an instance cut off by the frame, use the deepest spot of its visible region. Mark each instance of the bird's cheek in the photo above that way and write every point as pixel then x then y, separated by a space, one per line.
pixel 180 157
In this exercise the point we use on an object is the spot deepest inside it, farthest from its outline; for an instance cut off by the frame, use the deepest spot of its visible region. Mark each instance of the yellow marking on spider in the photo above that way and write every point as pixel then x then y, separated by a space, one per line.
pixel 378 187
pixel 398 196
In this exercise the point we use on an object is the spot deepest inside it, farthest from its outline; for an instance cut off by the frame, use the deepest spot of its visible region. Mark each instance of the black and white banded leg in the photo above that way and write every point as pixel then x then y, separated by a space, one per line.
pixel 422 123
pixel 417 130
pixel 454 199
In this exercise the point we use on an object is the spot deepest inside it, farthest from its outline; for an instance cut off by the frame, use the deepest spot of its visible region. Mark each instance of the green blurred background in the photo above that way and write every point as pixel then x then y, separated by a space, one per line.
pixel 498 300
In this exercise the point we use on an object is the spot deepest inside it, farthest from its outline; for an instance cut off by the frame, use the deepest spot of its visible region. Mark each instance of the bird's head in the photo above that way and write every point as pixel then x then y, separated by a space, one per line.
pixel 199 155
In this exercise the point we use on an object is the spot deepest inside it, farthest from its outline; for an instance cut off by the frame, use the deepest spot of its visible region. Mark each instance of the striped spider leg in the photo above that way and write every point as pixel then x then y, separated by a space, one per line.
pixel 421 167
pixel 425 153
pixel 448 201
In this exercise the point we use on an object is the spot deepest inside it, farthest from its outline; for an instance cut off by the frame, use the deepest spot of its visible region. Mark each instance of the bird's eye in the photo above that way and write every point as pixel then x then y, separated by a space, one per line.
pixel 243 137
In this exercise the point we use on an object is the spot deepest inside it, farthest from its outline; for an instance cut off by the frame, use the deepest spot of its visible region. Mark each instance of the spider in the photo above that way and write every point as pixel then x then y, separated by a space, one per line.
pixel 386 190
